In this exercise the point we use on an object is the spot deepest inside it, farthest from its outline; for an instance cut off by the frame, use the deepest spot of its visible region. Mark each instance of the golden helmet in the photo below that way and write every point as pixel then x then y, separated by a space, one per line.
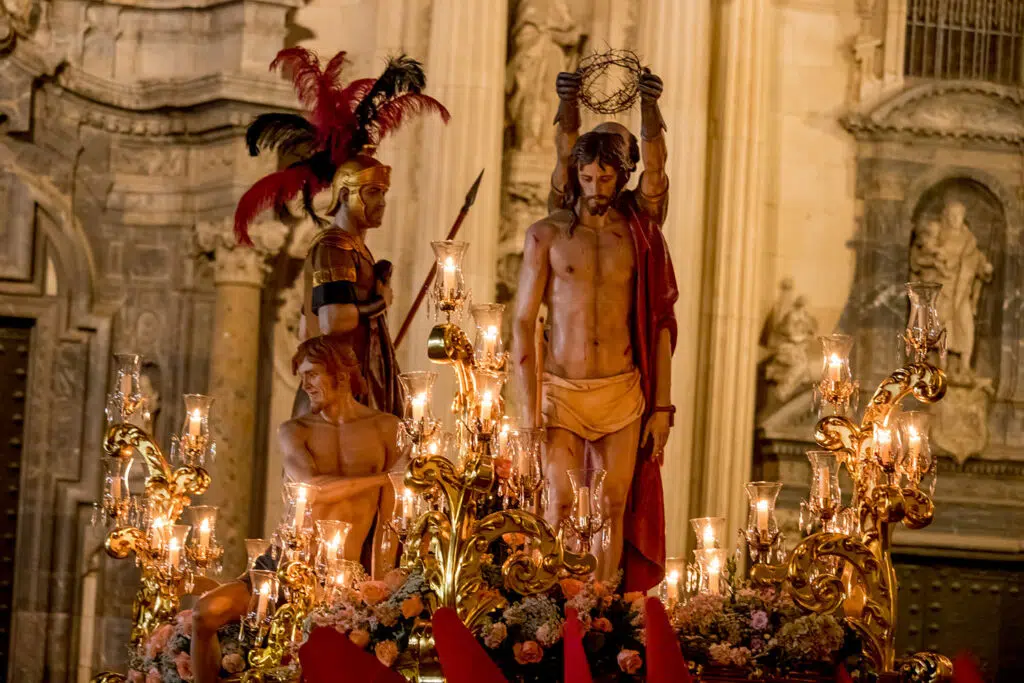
pixel 358 171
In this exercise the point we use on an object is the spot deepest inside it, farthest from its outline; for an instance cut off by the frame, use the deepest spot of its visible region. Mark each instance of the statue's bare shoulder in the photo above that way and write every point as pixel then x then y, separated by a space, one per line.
pixel 547 229
pixel 294 429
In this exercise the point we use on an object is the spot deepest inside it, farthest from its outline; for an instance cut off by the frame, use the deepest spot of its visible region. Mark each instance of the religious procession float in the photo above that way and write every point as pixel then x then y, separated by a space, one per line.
pixel 498 576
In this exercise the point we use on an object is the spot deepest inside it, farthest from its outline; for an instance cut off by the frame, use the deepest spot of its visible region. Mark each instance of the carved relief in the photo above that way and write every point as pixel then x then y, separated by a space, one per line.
pixel 788 338
pixel 545 40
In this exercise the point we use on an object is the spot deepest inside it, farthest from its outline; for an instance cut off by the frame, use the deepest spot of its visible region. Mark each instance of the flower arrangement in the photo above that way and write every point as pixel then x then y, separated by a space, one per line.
pixel 763 632
pixel 165 656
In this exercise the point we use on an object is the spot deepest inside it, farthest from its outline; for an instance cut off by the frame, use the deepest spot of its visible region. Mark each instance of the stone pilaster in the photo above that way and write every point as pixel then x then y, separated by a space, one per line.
pixel 675 39
pixel 734 228
pixel 238 278
pixel 466 71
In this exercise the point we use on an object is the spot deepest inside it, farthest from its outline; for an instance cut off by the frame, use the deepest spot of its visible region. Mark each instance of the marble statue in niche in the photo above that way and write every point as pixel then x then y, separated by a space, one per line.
pixel 545 39
pixel 944 249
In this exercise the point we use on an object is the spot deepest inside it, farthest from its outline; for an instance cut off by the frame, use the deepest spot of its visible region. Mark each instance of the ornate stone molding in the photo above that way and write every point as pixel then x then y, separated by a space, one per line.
pixel 236 264
pixel 962 110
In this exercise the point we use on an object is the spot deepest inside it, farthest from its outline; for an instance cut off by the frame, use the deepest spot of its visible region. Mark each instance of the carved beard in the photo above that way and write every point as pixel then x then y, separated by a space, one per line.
pixel 598 205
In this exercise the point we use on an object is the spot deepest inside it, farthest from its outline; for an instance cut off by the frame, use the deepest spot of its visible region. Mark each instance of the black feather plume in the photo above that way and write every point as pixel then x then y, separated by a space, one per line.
pixel 402 75
pixel 285 133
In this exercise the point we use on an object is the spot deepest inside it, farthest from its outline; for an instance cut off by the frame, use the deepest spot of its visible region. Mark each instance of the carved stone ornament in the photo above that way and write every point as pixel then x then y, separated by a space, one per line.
pixel 235 264
pixel 956 109
pixel 787 338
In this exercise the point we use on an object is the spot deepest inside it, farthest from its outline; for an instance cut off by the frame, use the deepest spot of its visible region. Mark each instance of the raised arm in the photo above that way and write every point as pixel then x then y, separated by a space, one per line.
pixel 299 465
pixel 567 129
pixel 533 280
pixel 653 152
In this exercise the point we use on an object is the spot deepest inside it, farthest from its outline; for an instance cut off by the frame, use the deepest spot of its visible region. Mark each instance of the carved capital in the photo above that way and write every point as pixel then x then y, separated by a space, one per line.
pixel 234 263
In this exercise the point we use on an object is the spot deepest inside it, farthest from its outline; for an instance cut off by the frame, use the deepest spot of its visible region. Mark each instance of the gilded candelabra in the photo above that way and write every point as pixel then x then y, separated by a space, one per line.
pixel 850 565
pixel 147 525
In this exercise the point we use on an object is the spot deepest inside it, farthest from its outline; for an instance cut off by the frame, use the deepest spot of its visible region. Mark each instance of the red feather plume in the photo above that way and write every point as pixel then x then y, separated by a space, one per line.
pixel 273 192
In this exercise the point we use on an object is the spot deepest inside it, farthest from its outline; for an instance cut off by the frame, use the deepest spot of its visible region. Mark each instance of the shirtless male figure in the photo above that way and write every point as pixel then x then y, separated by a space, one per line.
pixel 600 264
pixel 342 447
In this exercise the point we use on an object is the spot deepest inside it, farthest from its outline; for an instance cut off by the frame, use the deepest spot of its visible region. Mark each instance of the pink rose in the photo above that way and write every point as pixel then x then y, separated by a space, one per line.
pixel 602 624
pixel 629 661
pixel 721 654
pixel 571 587
pixel 373 592
pixel 232 663
pixel 158 640
pixel 153 676
pixel 412 607
pixel 387 652
pixel 360 637
pixel 135 676
pixel 496 635
pixel 395 579
pixel 183 663
pixel 183 623
pixel 528 652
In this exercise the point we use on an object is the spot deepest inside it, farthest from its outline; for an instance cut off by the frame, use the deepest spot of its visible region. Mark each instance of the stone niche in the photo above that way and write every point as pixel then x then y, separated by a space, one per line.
pixel 939 189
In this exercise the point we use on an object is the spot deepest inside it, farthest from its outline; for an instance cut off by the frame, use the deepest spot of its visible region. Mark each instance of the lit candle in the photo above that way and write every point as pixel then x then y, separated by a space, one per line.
pixel 913 449
pixel 332 548
pixel 503 440
pixel 583 505
pixel 490 340
pixel 714 575
pixel 204 535
pixel 673 586
pixel 762 516
pixel 883 441
pixel 419 405
pixel 485 406
pixel 195 421
pixel 156 532
pixel 264 597
pixel 709 537
pixel 300 509
pixel 835 367
pixel 448 278
pixel 824 492
pixel 173 552
pixel 432 448
pixel 407 504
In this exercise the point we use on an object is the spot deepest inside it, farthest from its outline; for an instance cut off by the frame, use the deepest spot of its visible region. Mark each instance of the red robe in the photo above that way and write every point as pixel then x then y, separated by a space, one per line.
pixel 643 558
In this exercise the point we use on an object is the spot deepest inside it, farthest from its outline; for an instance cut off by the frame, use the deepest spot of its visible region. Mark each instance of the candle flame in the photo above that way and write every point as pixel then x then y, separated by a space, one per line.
pixel 173 544
pixel 673 576
pixel 883 437
pixel 715 566
pixel 196 415
pixel 204 525
pixel 912 433
pixel 762 506
pixel 336 541
pixel 835 361
pixel 419 400
pixel 709 536
pixel 432 448
pixel 449 264
pixel 265 588
pixel 491 333
pixel 302 495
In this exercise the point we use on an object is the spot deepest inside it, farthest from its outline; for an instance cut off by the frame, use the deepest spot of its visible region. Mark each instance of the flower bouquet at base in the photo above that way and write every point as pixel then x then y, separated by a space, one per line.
pixel 165 656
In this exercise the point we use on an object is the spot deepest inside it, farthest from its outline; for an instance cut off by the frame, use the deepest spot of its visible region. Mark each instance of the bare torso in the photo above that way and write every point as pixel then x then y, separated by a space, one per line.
pixel 590 297
pixel 355 448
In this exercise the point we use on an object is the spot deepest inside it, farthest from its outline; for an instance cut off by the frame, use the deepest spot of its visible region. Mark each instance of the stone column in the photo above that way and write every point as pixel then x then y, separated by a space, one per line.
pixel 734 227
pixel 466 71
pixel 675 39
pixel 234 359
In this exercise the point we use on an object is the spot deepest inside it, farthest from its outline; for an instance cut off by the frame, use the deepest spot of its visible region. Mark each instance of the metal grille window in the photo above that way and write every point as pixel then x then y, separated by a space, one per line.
pixel 965 39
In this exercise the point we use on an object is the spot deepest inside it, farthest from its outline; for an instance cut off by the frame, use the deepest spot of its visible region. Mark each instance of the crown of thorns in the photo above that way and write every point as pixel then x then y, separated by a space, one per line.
pixel 610 81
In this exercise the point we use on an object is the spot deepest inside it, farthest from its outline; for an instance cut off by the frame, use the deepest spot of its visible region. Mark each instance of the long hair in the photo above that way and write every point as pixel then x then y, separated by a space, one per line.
pixel 608 149
pixel 337 357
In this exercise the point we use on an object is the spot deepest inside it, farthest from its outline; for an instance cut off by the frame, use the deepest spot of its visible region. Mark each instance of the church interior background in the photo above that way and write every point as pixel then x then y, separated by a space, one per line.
pixel 809 139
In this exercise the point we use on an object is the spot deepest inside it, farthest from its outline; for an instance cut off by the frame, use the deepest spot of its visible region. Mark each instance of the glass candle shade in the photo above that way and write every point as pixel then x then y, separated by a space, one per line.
pixel 406 503
pixel 825 495
pixel 488 347
pixel 254 548
pixel 527 463
pixel 330 546
pixel 116 470
pixel 299 507
pixel 835 359
pixel 587 497
pixel 916 460
pixel 158 534
pixel 710 532
pixel 204 540
pixel 885 447
pixel 263 599
pixel 673 586
pixel 449 290
pixel 712 570
pixel 126 398
pixel 176 546
pixel 924 331
pixel 194 441
pixel 418 387
pixel 488 406
pixel 761 523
